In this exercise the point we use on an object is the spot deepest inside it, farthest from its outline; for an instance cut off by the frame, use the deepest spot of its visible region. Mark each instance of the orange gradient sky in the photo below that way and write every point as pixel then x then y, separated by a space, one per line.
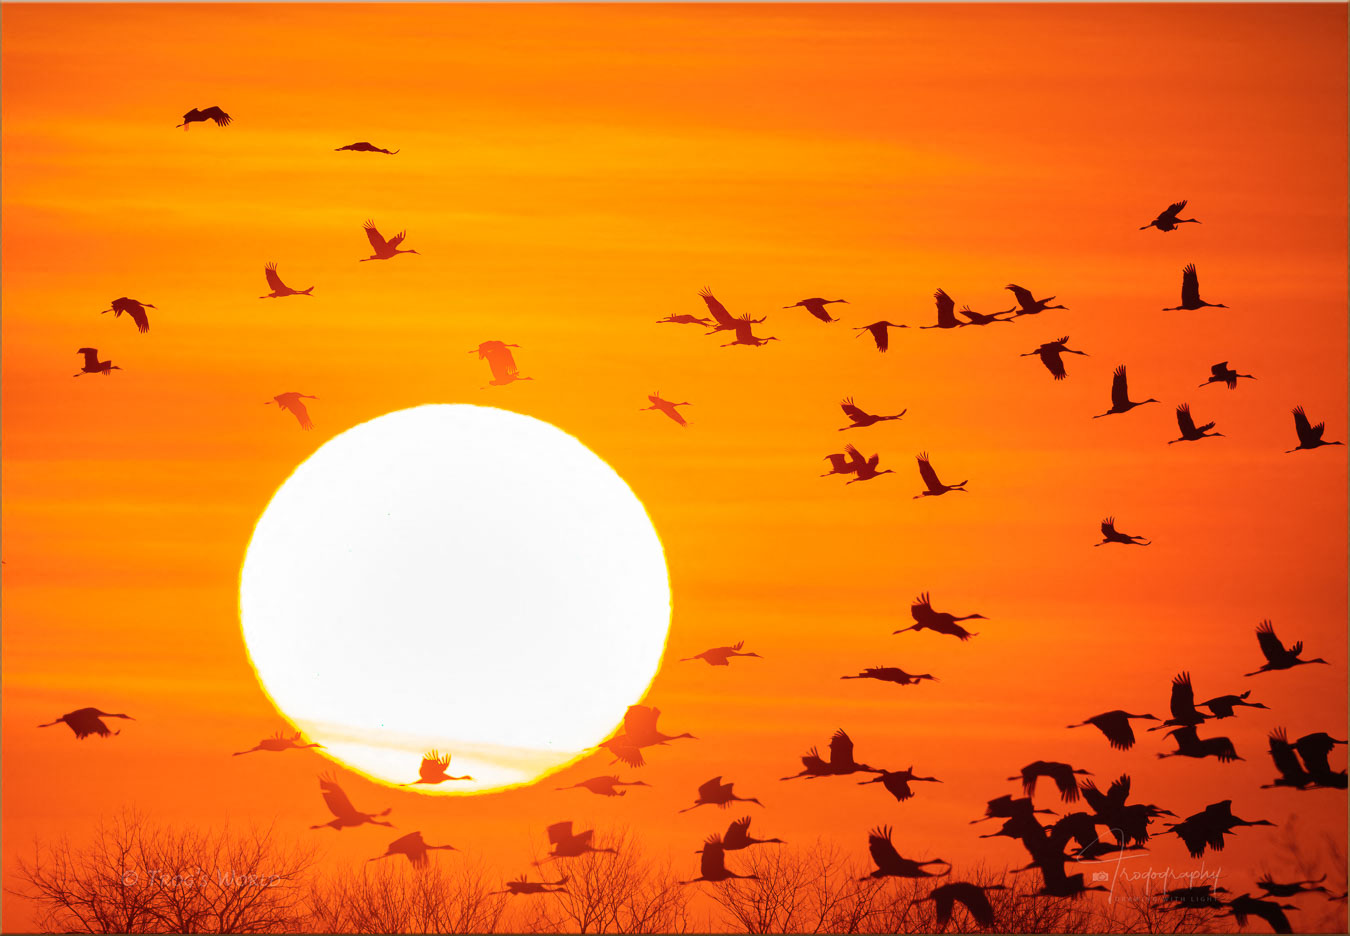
pixel 570 174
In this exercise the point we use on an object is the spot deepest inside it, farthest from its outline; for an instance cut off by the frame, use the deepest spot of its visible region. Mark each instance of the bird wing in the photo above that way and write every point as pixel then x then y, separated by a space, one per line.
pixel 1120 390
pixel 851 411
pixel 1184 420
pixel 738 830
pixel 373 235
pixel 301 413
pixel 1190 285
pixel 1307 432
pixel 1118 731
pixel 397 239
pixel 880 847
pixel 137 313
pixel 335 799
pixel 1023 296
pixel 1119 791
pixel 1315 749
pixel 1219 370
pixel 841 748
pixel 1282 753
pixel 711 789
pixel 1053 363
pixel 640 721
pixel 840 463
pixel 273 280
pixel 744 329
pixel 219 116
pixel 929 476
pixel 560 832
pixel 1270 644
pixel 1109 527
pixel 855 457
pixel 713 864
pixel 882 335
pixel 719 311
pixel 1172 211
pixel 1183 696
pixel 946 307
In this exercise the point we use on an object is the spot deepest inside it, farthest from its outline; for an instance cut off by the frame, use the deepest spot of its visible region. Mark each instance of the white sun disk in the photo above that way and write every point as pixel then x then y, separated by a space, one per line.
pixel 458 578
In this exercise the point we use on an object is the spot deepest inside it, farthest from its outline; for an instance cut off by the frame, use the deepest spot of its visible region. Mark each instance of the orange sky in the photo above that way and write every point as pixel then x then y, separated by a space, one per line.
pixel 569 175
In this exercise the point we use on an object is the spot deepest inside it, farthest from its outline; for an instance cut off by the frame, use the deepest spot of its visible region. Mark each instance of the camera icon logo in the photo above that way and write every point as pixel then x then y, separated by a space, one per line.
pixel 1100 876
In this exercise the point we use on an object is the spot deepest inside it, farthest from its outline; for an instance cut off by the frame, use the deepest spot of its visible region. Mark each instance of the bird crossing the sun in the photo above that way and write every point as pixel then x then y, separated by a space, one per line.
pixel 639 731
pixel 433 770
pixel 279 742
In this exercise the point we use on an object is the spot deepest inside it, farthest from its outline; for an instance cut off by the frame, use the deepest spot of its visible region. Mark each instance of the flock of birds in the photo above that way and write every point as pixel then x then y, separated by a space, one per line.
pixel 1076 836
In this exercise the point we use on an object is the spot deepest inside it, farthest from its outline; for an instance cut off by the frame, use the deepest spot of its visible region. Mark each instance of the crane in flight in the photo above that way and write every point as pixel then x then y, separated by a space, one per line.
pixel 879 333
pixel 971 896
pixel 522 885
pixel 1277 657
pixel 500 361
pixel 290 402
pixel 1245 905
pixel 1189 431
pixel 88 721
pixel 1111 535
pixel 897 782
pixel 1120 395
pixel 946 312
pixel 412 847
pixel 1275 888
pixel 930 479
pixel 384 249
pixel 605 786
pixel 1168 220
pixel 345 814
pixel 1190 292
pixel 979 318
pixel 1115 725
pixel 718 656
pixel 892 674
pixel 1222 373
pixel 860 418
pixel 1027 304
pixel 890 864
pixel 1050 352
pixel 279 742
pixel 864 469
pixel 279 289
pixel 746 336
pixel 1182 705
pixel 1292 771
pixel 665 406
pixel 841 760
pixel 433 770
pixel 221 118
pixel 1309 436
pixel 925 618
pixel 639 731
pixel 817 307
pixel 1064 776
pixel 1190 744
pixel 713 866
pixel 722 319
pixel 1224 705
pixel 840 463
pixel 717 793
pixel 134 309
pixel 1209 826
pixel 92 365
pixel 364 147
pixel 738 836
pixel 684 320
pixel 569 844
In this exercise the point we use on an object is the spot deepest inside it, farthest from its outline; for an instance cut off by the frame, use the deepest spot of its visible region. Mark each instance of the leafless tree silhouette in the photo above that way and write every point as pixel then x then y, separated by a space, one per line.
pixel 399 898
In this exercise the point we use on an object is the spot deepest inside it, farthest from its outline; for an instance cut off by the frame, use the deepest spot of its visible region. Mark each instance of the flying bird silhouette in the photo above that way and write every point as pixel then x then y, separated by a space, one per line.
pixel 938 621
pixel 1309 436
pixel 1190 292
pixel 718 656
pixel 1287 762
pixel 569 844
pixel 1050 352
pixel 890 864
pixel 605 786
pixel 879 333
pixel 1064 776
pixel 897 782
pixel 279 742
pixel 1223 706
pixel 817 307
pixel 717 793
pixel 946 312
pixel 1189 744
pixel 1315 750
pixel 1182 705
pixel 864 469
pixel 1189 432
pixel 280 289
pixel 930 479
pixel 713 867
pixel 891 674
pixel 522 885
pixel 665 406
pixel 840 463
pixel 684 320
pixel 134 309
pixel 1026 304
pixel 1222 373
pixel 1244 906
pixel 738 836
pixel 433 770
pixel 1111 535
pixel 746 336
pixel 979 318
pixel 290 402
pixel 92 365
pixel 384 249
pixel 841 760
pixel 721 317
pixel 1277 657
pixel 1168 220
pixel 500 361
pixel 1208 827
pixel 364 147
pixel 861 419
pixel 1275 888
pixel 221 118
pixel 346 815
pixel 88 721
pixel 1116 726
pixel 970 896
pixel 413 848
pixel 639 731
pixel 1120 395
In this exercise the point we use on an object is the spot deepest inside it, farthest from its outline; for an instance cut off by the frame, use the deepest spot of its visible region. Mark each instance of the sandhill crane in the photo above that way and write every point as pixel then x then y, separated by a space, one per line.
pixel 1116 726
pixel 522 885
pixel 279 289
pixel 1128 822
pixel 865 469
pixel 738 836
pixel 92 365
pixel 1222 373
pixel 1277 657
pixel 134 308
pixel 1189 431
pixel 713 867
pixel 1050 352
pixel 88 721
pixel 665 406
pixel 890 864
pixel 861 418
pixel 1275 888
pixel 639 731
pixel 1111 535
pixel 279 742
pixel 946 312
pixel 718 656
pixel 717 793
pixel 722 318
pixel 1309 436
pixel 939 621
pixel 879 333
pixel 1208 827
pixel 1168 220
pixel 384 249
pixel 970 896
pixel 221 118
pixel 569 844
pixel 745 336
pixel 1064 775
pixel 290 402
pixel 1315 749
pixel 684 320
pixel 1190 744
pixel 364 147
pixel 1190 292
pixel 1006 807
pixel 1244 906
pixel 840 463
pixel 979 318
pixel 1223 706
pixel 1026 304
pixel 892 674
pixel 605 786
pixel 817 307
pixel 930 479
pixel 841 760
pixel 413 848
pixel 501 361
pixel 1120 395
pixel 1182 705
pixel 433 770
pixel 1287 762
pixel 897 782
pixel 347 815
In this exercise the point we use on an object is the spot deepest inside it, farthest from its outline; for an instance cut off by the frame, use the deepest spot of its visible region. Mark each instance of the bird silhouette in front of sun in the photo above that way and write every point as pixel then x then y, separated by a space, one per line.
pixel 841 760
pixel 639 731
pixel 1027 304
pixel 1190 292
pixel 1111 535
pixel 1120 395
pixel 897 782
pixel 1115 725
pixel 665 406
pixel 890 864
pixel 892 674
pixel 346 815
pixel 745 334
pixel 930 479
pixel 713 866
pixel 279 289
pixel 605 786
pixel 92 365
pixel 940 622
pixel 1189 431
pixel 433 770
pixel 719 656
pixel 817 307
pixel 722 319
pixel 134 309
pixel 500 361
pixel 864 469
pixel 364 147
pixel 88 721
pixel 1065 777
pixel 1309 436
pixel 1277 657
pixel 279 742
pixel 1050 352
pixel 221 118
pixel 946 312
pixel 717 793
pixel 569 844
pixel 290 402
pixel 412 847
pixel 861 419
pixel 1222 373
pixel 384 249
pixel 879 333
pixel 1168 220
